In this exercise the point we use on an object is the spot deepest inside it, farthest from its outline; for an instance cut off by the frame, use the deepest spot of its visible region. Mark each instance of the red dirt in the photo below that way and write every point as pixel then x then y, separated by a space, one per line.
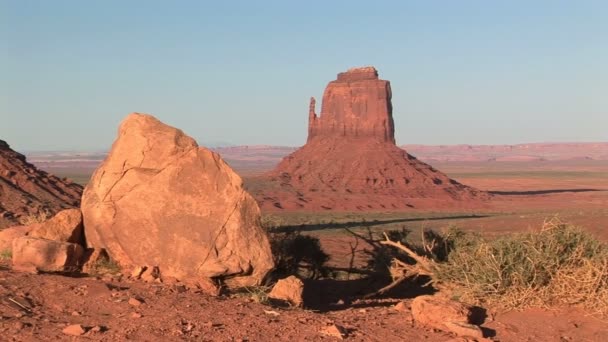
pixel 172 313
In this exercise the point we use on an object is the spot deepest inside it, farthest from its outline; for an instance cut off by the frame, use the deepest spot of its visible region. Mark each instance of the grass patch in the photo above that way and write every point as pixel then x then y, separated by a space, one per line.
pixel 258 294
pixel 6 255
pixel 104 266
pixel 38 217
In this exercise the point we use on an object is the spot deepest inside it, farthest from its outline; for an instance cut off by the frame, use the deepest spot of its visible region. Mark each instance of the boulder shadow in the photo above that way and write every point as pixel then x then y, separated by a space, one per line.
pixel 326 295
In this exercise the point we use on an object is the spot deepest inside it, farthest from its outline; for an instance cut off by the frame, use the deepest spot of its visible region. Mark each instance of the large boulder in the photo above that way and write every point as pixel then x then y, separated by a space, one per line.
pixel 35 254
pixel 159 199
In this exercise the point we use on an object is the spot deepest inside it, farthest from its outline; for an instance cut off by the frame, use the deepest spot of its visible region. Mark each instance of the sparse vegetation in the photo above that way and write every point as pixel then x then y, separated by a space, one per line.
pixel 6 255
pixel 258 294
pixel 559 264
pixel 104 266
pixel 37 217
pixel 298 254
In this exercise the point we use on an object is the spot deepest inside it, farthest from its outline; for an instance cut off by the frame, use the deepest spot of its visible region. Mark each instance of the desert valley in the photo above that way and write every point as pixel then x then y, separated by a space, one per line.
pixel 348 237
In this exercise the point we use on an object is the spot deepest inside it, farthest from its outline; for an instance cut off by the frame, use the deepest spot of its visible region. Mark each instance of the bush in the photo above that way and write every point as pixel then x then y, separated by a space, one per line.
pixel 297 254
pixel 559 264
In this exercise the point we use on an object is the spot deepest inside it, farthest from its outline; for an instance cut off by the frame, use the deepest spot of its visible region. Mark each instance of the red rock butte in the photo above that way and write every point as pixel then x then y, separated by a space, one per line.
pixel 351 162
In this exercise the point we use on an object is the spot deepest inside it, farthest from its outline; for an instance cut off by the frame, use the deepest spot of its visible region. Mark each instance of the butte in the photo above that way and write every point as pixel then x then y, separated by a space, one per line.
pixel 350 161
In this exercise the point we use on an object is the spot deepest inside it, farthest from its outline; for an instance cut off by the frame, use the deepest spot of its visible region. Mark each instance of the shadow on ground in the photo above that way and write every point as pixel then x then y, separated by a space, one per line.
pixel 542 192
pixel 333 295
pixel 359 224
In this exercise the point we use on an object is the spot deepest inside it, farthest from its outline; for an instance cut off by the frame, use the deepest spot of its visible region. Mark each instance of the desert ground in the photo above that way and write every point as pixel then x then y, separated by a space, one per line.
pixel 526 193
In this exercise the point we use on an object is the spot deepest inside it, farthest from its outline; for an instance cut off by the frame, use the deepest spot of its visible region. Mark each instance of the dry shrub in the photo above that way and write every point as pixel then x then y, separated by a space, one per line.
pixel 560 264
pixel 104 266
pixel 298 254
pixel 36 217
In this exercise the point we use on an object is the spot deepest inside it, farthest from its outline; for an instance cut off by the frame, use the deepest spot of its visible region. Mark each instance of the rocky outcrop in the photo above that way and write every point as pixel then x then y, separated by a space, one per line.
pixel 356 106
pixel 160 200
pixel 351 162
pixel 28 194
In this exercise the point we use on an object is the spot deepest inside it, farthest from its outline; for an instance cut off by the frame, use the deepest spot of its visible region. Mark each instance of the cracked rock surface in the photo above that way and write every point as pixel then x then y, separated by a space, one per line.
pixel 159 199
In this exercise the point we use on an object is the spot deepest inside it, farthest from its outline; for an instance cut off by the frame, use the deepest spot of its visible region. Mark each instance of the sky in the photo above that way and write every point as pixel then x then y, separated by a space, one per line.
pixel 242 72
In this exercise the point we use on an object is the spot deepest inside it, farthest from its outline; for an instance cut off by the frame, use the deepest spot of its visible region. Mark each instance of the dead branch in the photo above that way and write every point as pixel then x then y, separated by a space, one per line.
pixel 426 264
pixel 401 271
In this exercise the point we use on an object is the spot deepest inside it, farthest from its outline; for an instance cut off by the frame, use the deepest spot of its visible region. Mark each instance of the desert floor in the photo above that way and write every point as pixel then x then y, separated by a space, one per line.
pixel 527 193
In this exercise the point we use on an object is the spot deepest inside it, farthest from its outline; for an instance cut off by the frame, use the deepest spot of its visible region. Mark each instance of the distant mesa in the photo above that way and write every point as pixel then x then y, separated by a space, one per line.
pixel 350 160
pixel 27 193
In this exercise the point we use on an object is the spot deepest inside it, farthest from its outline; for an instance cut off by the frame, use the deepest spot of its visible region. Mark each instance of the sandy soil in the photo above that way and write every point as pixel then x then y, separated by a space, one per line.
pixel 173 313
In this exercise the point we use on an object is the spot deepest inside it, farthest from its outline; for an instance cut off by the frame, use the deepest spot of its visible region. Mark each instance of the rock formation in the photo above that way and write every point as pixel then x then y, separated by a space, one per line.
pixel 350 160
pixel 355 106
pixel 160 200
pixel 28 194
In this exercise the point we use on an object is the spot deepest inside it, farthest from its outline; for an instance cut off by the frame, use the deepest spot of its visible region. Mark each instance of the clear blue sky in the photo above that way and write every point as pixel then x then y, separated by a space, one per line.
pixel 472 72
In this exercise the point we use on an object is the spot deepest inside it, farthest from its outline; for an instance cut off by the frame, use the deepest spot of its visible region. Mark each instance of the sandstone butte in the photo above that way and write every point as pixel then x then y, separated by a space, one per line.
pixel 351 162
pixel 28 194
pixel 161 201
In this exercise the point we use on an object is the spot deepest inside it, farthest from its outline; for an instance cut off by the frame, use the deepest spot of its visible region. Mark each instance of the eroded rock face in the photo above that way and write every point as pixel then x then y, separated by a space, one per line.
pixel 357 105
pixel 351 162
pixel 27 192
pixel 160 200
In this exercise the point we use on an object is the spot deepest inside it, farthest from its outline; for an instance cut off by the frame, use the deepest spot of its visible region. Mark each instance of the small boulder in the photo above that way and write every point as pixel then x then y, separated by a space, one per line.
pixel 150 274
pixel 334 331
pixel 209 287
pixel 66 226
pixel 135 302
pixel 401 306
pixel 9 234
pixel 74 330
pixel 444 314
pixel 290 289
pixel 34 254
